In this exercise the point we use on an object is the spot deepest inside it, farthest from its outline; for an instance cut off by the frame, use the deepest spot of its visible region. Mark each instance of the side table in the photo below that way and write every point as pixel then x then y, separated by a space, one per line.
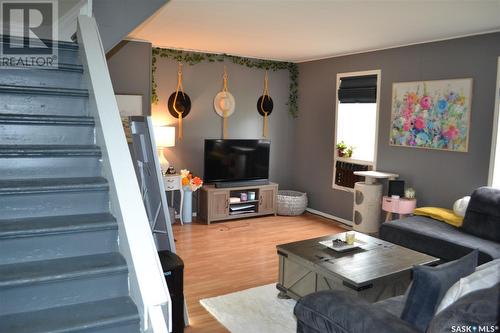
pixel 401 206
pixel 174 183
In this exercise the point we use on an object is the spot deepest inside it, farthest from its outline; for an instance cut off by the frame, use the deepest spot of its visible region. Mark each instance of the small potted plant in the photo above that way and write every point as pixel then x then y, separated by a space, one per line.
pixel 341 148
pixel 348 151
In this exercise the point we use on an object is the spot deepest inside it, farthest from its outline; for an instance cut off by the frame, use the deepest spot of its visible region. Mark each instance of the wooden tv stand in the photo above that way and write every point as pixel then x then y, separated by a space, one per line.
pixel 215 205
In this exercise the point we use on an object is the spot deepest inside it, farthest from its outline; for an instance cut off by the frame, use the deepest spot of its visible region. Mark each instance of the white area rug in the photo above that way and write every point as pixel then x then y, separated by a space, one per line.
pixel 255 310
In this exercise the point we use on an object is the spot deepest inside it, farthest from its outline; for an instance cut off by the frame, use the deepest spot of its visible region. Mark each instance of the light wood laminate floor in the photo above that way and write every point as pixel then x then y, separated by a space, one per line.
pixel 225 257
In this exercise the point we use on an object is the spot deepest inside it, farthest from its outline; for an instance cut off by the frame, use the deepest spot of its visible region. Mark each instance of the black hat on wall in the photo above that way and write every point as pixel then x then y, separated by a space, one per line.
pixel 265 104
pixel 183 104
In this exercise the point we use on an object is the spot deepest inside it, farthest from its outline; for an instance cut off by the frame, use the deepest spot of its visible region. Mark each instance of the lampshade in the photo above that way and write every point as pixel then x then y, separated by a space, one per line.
pixel 164 136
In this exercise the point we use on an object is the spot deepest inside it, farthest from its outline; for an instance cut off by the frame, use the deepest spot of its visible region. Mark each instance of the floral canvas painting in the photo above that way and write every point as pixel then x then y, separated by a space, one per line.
pixel 431 114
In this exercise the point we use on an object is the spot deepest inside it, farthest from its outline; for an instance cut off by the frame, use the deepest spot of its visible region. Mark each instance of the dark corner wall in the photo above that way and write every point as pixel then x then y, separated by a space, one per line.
pixel 439 177
pixel 129 66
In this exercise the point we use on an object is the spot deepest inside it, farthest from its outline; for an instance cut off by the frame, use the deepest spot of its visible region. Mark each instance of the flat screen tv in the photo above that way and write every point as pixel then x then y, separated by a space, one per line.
pixel 236 160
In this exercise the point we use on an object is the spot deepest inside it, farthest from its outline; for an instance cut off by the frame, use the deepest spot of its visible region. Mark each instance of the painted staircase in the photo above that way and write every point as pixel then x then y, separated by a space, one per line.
pixel 60 266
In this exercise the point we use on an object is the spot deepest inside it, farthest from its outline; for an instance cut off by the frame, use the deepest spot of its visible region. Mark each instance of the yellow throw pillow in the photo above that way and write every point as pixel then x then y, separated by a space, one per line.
pixel 440 214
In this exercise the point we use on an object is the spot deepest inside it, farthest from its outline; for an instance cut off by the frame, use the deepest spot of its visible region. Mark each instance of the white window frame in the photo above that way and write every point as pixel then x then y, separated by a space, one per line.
pixel 496 129
pixel 373 164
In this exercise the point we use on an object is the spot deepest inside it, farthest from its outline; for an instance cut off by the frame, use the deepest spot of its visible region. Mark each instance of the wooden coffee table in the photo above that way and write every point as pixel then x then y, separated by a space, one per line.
pixel 375 271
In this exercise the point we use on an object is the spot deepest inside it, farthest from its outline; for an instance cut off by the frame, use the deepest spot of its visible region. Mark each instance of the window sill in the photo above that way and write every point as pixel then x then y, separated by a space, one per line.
pixel 354 161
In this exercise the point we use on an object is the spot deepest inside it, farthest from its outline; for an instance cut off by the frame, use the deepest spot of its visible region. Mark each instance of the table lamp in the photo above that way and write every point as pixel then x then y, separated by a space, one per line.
pixel 164 137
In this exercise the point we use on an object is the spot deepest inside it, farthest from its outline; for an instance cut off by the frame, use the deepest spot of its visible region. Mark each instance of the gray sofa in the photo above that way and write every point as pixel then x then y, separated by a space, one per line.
pixel 480 230
pixel 438 239
pixel 340 312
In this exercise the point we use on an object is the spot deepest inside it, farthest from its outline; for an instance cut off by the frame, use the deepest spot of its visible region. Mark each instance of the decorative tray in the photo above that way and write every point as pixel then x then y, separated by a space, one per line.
pixel 339 245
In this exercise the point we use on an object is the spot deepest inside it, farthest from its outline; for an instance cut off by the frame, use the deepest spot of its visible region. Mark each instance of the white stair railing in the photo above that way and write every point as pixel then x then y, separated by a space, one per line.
pixel 86 8
pixel 146 281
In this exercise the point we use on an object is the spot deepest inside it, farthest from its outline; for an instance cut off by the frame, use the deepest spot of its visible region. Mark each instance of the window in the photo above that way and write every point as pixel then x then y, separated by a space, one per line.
pixel 494 177
pixel 355 126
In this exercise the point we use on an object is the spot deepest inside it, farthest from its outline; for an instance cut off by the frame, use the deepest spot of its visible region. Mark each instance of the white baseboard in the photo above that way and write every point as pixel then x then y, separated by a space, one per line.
pixel 329 216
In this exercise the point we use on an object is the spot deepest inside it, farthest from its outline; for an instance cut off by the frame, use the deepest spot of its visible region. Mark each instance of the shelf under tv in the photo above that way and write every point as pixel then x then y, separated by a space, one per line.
pixel 243 202
pixel 242 213
pixel 238 216
pixel 214 203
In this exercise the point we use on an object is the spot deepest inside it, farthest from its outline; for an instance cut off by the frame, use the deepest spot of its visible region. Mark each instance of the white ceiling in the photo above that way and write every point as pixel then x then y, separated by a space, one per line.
pixel 301 30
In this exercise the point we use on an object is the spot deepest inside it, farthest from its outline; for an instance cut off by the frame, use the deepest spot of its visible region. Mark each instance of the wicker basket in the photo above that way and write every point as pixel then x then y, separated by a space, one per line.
pixel 291 202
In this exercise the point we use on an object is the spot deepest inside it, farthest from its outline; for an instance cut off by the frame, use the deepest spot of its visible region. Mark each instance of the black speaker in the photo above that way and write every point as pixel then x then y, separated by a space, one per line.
pixel 397 187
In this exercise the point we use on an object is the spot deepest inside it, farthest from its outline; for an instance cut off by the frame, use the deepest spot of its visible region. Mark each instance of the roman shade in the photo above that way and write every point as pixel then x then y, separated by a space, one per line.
pixel 358 89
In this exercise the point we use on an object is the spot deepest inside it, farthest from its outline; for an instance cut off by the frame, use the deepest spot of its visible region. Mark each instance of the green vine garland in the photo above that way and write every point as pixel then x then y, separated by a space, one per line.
pixel 193 58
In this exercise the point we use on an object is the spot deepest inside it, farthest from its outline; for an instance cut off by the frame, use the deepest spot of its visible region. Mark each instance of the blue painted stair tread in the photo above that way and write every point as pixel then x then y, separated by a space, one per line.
pixel 44 284
pixel 51 237
pixel 68 52
pixel 119 314
pixel 53 185
pixel 37 90
pixel 48 150
pixel 13 275
pixel 32 129
pixel 46 78
pixel 67 45
pixel 34 226
pixel 49 161
pixel 6 118
pixel 62 67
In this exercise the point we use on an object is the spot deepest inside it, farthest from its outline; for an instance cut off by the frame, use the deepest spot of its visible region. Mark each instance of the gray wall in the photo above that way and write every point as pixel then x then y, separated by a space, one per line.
pixel 302 149
pixel 202 82
pixel 439 177
pixel 129 65
pixel 117 18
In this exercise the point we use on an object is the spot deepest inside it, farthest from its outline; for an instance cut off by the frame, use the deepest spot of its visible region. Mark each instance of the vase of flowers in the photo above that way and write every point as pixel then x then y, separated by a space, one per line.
pixel 189 185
